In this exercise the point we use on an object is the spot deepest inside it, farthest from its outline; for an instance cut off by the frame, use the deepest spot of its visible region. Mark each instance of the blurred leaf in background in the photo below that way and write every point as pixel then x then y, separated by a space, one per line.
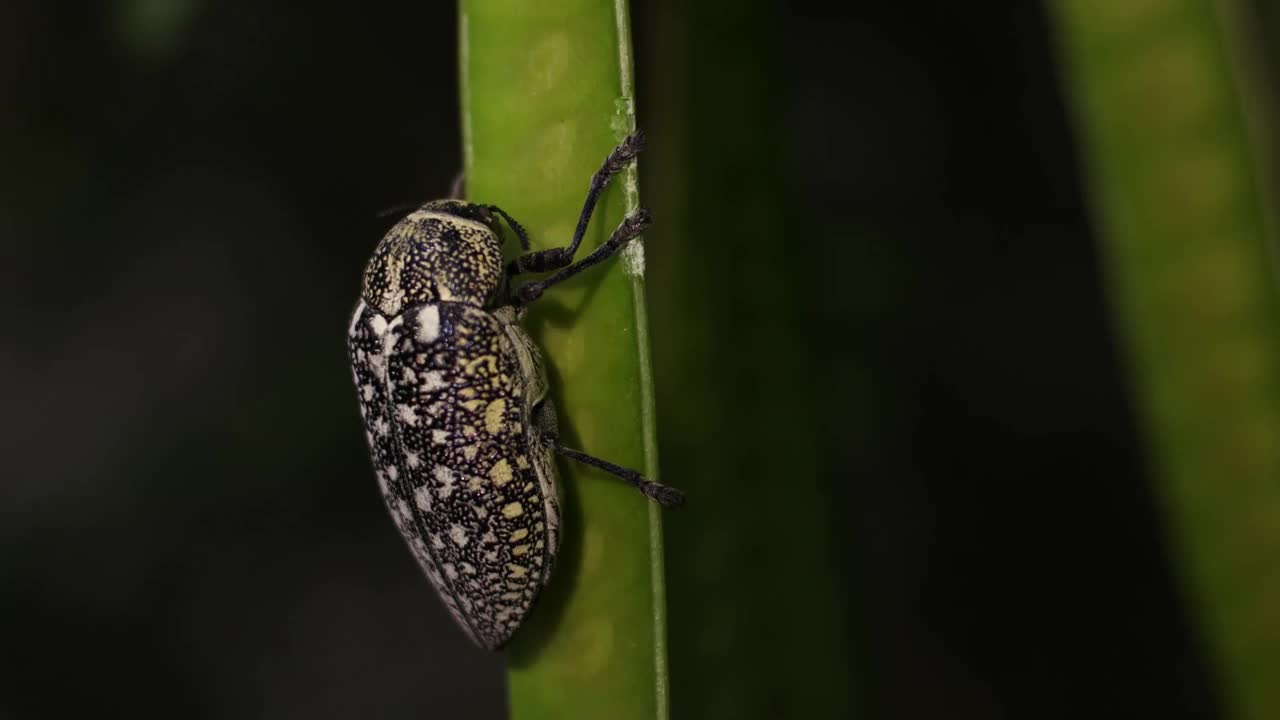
pixel 1173 110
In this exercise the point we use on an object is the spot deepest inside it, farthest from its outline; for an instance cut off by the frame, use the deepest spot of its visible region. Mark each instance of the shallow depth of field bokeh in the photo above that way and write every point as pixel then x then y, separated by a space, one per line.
pixel 888 372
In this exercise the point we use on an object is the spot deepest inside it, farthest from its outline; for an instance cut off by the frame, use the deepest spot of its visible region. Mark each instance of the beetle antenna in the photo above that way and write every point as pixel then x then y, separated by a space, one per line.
pixel 458 188
pixel 397 209
pixel 520 233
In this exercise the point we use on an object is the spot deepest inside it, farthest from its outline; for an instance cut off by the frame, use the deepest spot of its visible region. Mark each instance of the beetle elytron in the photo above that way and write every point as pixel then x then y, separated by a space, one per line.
pixel 455 401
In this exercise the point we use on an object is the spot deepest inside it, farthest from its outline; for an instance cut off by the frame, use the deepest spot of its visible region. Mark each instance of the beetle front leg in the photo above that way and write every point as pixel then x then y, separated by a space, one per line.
pixel 556 258
pixel 631 228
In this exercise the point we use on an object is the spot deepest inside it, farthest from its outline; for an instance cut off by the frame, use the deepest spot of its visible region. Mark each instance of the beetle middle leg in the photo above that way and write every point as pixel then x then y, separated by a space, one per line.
pixel 555 258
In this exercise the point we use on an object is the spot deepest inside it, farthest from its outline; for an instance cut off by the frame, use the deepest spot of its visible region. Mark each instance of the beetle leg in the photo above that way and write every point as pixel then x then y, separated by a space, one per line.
pixel 630 229
pixel 555 258
pixel 665 495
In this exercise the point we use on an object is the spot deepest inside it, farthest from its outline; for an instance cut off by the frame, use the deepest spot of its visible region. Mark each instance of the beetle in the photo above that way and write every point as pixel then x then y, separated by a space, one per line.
pixel 454 397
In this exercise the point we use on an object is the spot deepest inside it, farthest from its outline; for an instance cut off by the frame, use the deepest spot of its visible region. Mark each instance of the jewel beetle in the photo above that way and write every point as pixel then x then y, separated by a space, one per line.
pixel 455 402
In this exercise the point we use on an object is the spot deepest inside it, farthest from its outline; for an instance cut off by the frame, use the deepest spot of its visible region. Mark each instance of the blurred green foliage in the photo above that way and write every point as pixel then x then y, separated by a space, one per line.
pixel 1163 93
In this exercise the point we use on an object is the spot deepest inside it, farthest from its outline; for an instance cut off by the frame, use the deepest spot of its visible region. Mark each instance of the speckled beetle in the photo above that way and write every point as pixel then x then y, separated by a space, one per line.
pixel 455 404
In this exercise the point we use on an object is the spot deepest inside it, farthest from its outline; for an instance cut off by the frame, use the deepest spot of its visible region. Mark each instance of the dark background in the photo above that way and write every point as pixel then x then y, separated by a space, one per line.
pixel 189 526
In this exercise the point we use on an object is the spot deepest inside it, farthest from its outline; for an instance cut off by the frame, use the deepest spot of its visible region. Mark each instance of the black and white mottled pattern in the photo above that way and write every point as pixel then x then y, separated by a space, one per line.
pixel 447 391
pixel 454 398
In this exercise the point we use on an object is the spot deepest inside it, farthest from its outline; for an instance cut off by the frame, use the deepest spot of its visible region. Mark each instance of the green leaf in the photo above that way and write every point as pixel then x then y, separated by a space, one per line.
pixel 1166 102
pixel 547 93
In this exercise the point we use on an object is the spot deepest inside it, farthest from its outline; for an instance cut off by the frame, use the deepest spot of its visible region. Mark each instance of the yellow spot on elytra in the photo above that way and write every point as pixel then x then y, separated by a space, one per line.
pixel 520 550
pixel 512 510
pixel 517 571
pixel 475 482
pixel 493 416
pixel 473 405
pixel 522 462
pixel 469 452
pixel 519 534
pixel 490 362
pixel 500 473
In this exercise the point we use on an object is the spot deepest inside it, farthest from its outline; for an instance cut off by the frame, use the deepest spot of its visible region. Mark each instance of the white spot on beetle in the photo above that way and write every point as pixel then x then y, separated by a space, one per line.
pixel 439 437
pixel 378 364
pixel 428 324
pixel 408 415
pixel 422 496
pixel 412 460
pixel 459 535
pixel 393 473
pixel 355 318
pixel 367 391
pixel 447 479
pixel 433 381
pixel 378 324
